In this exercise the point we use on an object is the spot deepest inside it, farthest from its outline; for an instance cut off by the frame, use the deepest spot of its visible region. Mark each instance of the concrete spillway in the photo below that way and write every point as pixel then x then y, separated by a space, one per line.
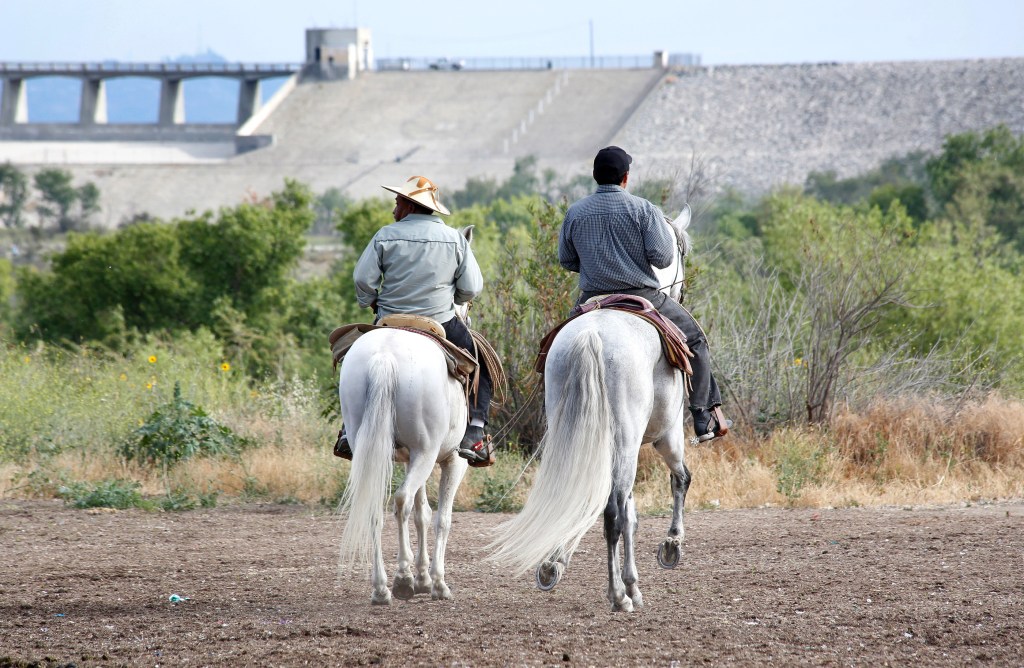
pixel 757 126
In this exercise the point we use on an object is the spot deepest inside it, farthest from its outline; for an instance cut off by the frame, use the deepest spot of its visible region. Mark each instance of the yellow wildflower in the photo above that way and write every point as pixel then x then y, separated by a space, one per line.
pixel 152 359
pixel 123 377
pixel 224 366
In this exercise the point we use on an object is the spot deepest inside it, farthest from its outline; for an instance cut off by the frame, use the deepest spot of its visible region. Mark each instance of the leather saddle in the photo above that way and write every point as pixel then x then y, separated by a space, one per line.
pixel 461 365
pixel 673 341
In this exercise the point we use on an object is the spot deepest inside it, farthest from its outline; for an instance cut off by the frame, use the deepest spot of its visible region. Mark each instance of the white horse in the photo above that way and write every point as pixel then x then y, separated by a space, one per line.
pixel 608 389
pixel 399 402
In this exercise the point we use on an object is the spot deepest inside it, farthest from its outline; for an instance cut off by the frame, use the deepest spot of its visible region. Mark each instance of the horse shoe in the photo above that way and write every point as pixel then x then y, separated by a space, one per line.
pixel 669 553
pixel 554 572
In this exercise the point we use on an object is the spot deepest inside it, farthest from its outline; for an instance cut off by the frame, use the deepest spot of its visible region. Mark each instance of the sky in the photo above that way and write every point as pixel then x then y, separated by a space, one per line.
pixel 719 31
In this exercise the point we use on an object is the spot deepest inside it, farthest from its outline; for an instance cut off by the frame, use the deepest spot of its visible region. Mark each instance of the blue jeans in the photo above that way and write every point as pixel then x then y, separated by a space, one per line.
pixel 480 401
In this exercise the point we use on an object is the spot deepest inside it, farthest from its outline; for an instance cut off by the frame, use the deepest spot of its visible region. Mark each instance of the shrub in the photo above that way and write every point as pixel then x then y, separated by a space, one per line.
pixel 114 493
pixel 178 431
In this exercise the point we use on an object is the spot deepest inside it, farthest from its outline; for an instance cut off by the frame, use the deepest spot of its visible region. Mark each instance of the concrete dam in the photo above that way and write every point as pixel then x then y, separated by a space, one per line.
pixel 754 127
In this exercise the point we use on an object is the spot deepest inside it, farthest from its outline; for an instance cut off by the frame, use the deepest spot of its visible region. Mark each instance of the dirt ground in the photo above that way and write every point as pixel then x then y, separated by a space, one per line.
pixel 921 587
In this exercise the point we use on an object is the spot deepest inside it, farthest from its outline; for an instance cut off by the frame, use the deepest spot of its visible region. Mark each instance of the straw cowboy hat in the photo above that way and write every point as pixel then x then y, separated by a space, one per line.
pixel 422 191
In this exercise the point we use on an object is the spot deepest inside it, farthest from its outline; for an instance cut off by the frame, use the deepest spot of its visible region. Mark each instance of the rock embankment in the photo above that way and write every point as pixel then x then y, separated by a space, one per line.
pixel 757 127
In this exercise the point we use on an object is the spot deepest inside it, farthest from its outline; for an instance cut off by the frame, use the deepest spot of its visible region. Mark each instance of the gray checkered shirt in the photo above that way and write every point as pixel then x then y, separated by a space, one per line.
pixel 612 238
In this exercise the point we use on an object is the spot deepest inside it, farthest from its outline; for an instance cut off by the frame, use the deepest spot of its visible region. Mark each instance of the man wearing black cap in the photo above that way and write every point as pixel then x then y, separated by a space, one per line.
pixel 612 239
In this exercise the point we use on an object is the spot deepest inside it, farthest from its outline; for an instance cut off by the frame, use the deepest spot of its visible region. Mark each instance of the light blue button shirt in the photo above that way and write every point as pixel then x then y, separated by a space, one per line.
pixel 418 265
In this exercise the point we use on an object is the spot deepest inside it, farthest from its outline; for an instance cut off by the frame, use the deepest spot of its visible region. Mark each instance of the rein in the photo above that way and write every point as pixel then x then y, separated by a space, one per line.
pixel 512 421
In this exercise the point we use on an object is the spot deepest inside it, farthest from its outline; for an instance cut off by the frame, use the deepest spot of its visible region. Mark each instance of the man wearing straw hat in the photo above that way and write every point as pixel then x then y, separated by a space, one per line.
pixel 419 265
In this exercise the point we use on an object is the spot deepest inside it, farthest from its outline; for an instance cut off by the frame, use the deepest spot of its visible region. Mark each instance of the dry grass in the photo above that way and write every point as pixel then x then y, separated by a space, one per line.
pixel 914 452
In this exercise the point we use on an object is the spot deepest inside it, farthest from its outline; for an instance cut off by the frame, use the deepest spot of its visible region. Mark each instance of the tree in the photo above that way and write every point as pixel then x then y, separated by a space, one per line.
pixel 59 196
pixel 247 251
pixel 328 207
pixel 357 226
pixel 134 277
pixel 169 276
pixel 88 203
pixel 982 175
pixel 13 195
pixel 851 269
pixel 897 178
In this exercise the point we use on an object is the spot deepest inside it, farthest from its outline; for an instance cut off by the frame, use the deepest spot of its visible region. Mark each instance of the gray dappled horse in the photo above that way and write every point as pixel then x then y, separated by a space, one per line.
pixel 399 402
pixel 608 389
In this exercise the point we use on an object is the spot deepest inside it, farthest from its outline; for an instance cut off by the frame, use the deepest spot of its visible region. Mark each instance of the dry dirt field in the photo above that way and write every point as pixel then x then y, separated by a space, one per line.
pixel 870 587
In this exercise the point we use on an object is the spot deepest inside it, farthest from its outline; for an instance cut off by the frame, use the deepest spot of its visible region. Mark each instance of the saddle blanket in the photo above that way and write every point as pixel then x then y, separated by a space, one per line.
pixel 673 341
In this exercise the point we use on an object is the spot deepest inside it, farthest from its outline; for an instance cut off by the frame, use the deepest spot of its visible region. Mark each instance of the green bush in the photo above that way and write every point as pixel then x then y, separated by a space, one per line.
pixel 153 277
pixel 178 431
pixel 120 494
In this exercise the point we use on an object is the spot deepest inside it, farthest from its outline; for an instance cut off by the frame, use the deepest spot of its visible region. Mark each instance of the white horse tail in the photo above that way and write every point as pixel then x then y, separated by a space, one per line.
pixel 369 481
pixel 575 476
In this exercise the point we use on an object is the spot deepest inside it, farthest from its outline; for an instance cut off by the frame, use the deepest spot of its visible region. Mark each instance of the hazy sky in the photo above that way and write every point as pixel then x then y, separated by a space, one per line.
pixel 721 31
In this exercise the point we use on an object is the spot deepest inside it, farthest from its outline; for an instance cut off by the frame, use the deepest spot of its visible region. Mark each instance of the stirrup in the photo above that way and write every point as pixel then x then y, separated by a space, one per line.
pixel 718 427
pixel 341 446
pixel 479 454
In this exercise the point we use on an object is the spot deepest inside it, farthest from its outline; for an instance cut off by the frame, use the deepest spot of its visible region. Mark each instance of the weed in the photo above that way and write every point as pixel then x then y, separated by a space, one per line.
pixel 114 493
pixel 253 489
pixel 209 499
pixel 496 497
pixel 177 500
pixel 180 430
pixel 799 462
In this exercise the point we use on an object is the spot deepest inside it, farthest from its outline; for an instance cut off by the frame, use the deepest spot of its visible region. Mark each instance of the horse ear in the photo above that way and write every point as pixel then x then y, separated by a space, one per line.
pixel 682 221
pixel 468 233
pixel 679 225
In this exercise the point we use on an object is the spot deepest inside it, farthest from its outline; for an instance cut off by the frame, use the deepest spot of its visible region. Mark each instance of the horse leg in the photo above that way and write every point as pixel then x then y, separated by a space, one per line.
pixel 381 594
pixel 421 516
pixel 620 522
pixel 612 532
pixel 403 587
pixel 671 450
pixel 629 574
pixel 452 471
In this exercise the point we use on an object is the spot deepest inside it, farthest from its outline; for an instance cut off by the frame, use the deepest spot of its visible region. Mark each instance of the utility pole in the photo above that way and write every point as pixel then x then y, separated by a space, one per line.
pixel 591 43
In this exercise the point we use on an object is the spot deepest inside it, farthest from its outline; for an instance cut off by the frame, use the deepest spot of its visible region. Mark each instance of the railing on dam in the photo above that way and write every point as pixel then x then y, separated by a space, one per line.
pixel 113 69
pixel 659 59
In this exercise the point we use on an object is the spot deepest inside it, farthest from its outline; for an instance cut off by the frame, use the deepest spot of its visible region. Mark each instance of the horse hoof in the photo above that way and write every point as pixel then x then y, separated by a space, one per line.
pixel 381 598
pixel 423 586
pixel 403 589
pixel 548 574
pixel 668 553
pixel 440 592
pixel 638 599
pixel 626 605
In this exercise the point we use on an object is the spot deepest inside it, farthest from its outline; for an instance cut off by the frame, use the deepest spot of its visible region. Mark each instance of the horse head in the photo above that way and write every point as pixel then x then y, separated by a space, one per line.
pixel 671 277
pixel 462 310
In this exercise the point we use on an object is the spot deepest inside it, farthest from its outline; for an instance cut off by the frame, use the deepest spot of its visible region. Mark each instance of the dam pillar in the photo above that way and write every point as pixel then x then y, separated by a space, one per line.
pixel 13 105
pixel 172 102
pixel 93 106
pixel 248 99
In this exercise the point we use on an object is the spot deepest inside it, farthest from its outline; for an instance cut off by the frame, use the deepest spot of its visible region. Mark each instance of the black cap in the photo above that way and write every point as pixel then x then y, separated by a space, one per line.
pixel 611 164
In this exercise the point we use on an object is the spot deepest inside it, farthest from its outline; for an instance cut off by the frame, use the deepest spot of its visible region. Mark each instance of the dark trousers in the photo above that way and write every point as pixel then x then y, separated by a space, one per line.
pixel 480 401
pixel 704 393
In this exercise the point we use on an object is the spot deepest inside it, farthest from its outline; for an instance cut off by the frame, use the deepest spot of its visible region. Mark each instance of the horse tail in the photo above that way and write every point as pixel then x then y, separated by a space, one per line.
pixel 575 476
pixel 369 481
